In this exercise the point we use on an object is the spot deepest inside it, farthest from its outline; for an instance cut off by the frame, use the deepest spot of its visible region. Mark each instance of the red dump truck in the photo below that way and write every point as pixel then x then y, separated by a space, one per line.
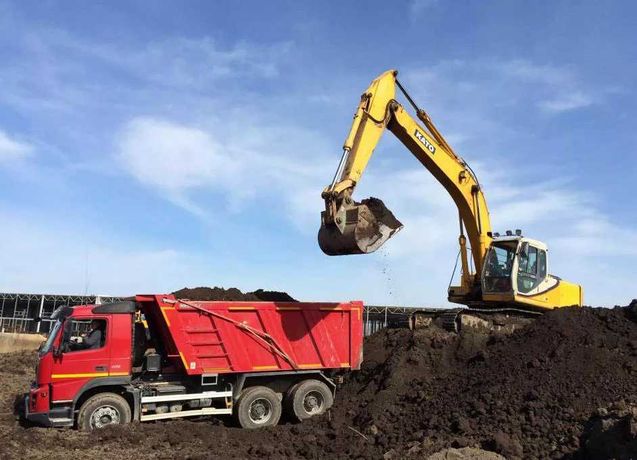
pixel 159 357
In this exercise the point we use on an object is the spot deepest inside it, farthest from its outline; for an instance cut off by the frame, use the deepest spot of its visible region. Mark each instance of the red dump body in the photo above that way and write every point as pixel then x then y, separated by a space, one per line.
pixel 230 337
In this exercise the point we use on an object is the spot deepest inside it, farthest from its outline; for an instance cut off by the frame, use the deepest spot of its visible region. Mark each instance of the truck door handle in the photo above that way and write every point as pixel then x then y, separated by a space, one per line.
pixel 100 368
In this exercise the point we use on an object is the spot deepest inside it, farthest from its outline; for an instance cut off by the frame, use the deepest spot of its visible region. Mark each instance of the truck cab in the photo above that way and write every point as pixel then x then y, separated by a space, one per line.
pixel 67 373
pixel 156 357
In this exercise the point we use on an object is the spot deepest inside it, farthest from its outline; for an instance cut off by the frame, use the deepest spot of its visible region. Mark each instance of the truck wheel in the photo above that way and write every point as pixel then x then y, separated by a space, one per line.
pixel 258 407
pixel 103 409
pixel 307 399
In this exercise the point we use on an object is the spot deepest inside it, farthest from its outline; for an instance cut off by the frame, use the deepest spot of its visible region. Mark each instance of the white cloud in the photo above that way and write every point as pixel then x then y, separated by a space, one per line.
pixel 478 94
pixel 567 102
pixel 562 89
pixel 173 157
pixel 54 71
pixel 244 164
pixel 74 260
pixel 11 149
pixel 533 72
pixel 176 159
pixel 191 62
pixel 418 6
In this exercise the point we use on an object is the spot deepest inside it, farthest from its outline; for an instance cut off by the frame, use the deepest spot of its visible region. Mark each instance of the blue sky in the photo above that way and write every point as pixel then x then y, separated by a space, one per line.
pixel 147 146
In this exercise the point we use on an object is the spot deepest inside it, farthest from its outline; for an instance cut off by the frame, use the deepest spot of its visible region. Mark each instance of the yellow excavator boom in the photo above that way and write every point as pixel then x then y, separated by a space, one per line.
pixel 378 110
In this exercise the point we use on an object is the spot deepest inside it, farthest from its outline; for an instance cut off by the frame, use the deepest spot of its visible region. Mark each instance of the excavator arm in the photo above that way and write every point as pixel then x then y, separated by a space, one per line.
pixel 349 227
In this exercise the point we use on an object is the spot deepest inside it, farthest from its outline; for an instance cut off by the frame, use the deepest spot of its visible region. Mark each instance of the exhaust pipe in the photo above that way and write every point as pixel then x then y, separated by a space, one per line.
pixel 357 228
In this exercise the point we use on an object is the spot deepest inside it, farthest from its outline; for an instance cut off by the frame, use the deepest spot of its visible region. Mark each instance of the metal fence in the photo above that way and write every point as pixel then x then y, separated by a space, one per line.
pixel 378 317
pixel 19 312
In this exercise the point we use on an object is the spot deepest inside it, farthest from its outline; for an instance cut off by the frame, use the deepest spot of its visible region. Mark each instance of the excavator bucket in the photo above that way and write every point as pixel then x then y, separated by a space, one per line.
pixel 359 228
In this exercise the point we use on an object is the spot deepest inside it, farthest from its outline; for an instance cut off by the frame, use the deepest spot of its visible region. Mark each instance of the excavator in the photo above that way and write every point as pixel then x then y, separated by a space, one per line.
pixel 500 274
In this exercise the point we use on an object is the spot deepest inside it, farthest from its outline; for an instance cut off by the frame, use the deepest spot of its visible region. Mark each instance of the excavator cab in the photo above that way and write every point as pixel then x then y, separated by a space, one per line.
pixel 516 267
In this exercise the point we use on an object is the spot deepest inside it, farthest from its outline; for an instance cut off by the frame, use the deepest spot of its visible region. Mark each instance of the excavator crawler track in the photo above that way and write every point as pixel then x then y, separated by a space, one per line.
pixel 505 320
pixel 450 320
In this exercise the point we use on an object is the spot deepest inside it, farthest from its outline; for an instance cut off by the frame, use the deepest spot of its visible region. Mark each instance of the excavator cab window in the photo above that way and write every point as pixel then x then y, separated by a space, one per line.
pixel 541 265
pixel 531 268
pixel 497 273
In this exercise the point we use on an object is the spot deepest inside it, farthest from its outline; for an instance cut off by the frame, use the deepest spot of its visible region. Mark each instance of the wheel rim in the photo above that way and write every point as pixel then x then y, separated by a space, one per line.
pixel 313 402
pixel 104 415
pixel 260 411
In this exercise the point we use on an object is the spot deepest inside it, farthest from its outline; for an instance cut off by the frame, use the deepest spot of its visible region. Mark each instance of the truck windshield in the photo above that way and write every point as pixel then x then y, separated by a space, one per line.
pixel 498 266
pixel 49 341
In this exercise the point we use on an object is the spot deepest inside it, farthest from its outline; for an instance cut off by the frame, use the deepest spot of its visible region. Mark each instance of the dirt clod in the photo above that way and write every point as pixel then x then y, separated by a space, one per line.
pixel 381 213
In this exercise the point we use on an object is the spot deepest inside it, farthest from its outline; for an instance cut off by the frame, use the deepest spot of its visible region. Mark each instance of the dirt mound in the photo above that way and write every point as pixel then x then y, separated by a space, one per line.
pixel 16 373
pixel 232 294
pixel 533 394
pixel 611 433
pixel 525 395
pixel 11 341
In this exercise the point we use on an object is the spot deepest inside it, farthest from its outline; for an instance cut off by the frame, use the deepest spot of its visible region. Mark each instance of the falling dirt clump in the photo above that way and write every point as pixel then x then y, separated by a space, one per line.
pixel 232 294
pixel 533 394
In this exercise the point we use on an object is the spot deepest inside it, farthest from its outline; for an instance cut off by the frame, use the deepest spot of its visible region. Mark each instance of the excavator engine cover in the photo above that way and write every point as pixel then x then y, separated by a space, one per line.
pixel 359 228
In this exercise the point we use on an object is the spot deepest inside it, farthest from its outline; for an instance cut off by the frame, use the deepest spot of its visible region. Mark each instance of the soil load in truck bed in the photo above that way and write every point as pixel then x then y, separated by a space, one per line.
pixel 232 294
pixel 562 387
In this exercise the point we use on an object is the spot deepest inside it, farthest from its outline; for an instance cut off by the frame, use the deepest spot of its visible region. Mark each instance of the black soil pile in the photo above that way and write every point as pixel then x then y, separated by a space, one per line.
pixel 528 395
pixel 232 294
pixel 562 387
pixel 611 433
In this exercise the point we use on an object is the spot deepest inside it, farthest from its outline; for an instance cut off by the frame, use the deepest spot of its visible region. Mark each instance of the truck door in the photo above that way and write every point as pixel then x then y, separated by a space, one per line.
pixel 85 355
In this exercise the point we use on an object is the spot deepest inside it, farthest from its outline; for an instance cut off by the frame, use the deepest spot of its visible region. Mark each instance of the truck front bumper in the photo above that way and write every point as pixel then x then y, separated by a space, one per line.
pixel 46 419
pixel 37 418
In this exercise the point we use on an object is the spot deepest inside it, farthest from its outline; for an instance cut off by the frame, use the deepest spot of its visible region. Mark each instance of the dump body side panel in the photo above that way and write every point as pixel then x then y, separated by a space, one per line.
pixel 229 337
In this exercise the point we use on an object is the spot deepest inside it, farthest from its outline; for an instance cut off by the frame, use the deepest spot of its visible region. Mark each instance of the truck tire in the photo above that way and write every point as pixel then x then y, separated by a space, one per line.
pixel 258 407
pixel 103 409
pixel 307 399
